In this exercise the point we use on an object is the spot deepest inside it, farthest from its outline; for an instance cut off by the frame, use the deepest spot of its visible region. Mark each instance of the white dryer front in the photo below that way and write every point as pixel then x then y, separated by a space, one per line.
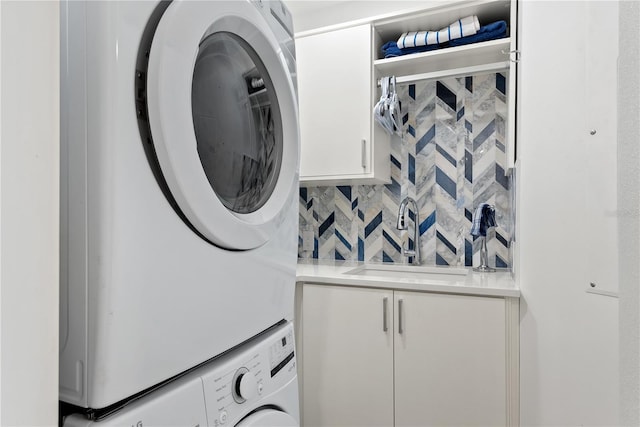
pixel 223 119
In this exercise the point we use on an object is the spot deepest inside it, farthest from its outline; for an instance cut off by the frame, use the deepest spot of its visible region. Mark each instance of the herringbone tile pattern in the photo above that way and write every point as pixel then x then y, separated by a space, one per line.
pixel 451 158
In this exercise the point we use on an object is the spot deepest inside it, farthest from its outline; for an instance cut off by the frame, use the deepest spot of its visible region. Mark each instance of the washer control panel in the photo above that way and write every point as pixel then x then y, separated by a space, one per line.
pixel 238 385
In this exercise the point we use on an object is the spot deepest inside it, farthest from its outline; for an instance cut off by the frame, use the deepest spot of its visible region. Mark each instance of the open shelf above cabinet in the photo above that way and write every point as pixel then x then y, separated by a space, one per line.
pixel 435 18
pixel 446 61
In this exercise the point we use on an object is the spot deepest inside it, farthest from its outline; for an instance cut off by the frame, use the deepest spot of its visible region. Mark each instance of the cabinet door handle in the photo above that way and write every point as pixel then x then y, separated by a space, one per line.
pixel 385 303
pixel 400 305
pixel 364 153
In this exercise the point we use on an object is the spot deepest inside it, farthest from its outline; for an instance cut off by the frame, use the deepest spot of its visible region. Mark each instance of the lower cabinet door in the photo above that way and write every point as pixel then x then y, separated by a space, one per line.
pixel 449 360
pixel 347 356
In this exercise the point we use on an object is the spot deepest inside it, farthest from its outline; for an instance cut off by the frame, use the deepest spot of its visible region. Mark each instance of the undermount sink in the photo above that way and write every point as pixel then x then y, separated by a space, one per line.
pixel 409 271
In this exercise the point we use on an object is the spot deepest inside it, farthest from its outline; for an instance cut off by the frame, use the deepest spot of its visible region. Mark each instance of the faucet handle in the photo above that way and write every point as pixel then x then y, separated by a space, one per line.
pixel 408 252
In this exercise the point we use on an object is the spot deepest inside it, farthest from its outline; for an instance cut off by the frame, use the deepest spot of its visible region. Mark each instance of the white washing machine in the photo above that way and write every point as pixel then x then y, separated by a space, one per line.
pixel 179 182
pixel 255 385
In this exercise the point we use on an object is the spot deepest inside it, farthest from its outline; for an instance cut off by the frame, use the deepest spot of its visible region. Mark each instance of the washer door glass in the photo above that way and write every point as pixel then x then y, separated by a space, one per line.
pixel 237 122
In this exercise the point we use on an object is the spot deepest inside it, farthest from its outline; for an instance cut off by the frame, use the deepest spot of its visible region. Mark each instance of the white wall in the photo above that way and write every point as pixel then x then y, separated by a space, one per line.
pixel 310 14
pixel 629 211
pixel 569 338
pixel 29 198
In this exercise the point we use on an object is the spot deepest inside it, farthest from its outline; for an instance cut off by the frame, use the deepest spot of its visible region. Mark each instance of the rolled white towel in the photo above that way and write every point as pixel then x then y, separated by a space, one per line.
pixel 467 26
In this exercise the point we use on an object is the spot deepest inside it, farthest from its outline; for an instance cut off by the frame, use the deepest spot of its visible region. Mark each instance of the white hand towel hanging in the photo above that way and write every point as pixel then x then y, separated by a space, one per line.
pixel 388 111
pixel 461 28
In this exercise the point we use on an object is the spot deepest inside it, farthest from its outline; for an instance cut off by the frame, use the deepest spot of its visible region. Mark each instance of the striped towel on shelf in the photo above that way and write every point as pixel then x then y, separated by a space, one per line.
pixel 461 28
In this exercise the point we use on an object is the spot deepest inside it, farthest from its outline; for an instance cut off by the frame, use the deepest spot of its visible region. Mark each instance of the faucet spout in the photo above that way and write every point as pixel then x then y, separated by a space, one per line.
pixel 402 225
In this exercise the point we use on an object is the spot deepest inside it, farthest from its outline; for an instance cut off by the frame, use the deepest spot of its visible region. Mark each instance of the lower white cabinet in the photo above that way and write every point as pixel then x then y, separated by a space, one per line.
pixel 378 357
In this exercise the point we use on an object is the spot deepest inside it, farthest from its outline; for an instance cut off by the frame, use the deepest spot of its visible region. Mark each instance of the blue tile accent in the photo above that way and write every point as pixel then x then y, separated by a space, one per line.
pixel 346 190
pixel 315 215
pixel 501 83
pixel 412 169
pixel 484 134
pixel 411 131
pixel 327 223
pixel 303 193
pixel 427 223
pixel 338 256
pixel 343 240
pixel 440 260
pixel 395 162
pixel 500 262
pixel 468 126
pixel 500 146
pixel 309 204
pixel 360 215
pixel 386 258
pixel 412 216
pixel 360 249
pixel 446 242
pixel 460 114
pixel 468 83
pixel 446 155
pixel 426 138
pixel 373 224
pixel 468 253
pixel 468 166
pixel 394 187
pixel 446 183
pixel 501 178
pixel 354 204
pixel 468 214
pixel 315 248
pixel 412 91
pixel 391 241
pixel 445 94
pixel 405 118
pixel 502 240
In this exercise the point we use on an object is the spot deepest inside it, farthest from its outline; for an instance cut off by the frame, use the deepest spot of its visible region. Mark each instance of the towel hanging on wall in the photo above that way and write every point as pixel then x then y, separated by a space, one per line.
pixel 461 28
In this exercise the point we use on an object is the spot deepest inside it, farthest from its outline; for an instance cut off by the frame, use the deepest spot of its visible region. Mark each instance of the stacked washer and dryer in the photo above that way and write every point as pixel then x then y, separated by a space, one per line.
pixel 179 182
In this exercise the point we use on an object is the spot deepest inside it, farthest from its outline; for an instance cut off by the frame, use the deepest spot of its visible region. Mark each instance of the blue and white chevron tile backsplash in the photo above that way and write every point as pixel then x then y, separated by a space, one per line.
pixel 451 158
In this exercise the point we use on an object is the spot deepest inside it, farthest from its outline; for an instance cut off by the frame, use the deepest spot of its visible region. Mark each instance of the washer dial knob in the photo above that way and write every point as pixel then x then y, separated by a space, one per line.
pixel 245 385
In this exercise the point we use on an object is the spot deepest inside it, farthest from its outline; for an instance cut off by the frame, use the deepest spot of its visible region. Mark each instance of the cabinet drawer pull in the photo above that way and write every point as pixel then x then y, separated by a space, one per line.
pixel 364 153
pixel 400 305
pixel 385 303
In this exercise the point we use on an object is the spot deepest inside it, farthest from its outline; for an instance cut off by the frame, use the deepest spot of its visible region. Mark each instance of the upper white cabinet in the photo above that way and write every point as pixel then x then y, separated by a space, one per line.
pixel 336 88
pixel 338 72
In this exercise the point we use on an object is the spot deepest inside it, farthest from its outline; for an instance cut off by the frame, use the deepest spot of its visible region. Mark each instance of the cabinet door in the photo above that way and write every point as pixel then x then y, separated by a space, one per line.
pixel 347 356
pixel 334 90
pixel 449 360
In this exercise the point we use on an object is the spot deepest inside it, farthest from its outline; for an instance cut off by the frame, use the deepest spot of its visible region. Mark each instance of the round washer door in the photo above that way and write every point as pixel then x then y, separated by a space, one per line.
pixel 268 418
pixel 223 118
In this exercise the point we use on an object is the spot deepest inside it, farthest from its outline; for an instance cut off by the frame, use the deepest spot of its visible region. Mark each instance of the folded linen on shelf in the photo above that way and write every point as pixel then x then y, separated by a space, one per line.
pixel 492 31
pixel 467 26
pixel 390 49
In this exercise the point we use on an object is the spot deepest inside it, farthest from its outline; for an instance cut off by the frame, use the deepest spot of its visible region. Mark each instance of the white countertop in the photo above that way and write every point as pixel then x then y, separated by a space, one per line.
pixel 499 284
